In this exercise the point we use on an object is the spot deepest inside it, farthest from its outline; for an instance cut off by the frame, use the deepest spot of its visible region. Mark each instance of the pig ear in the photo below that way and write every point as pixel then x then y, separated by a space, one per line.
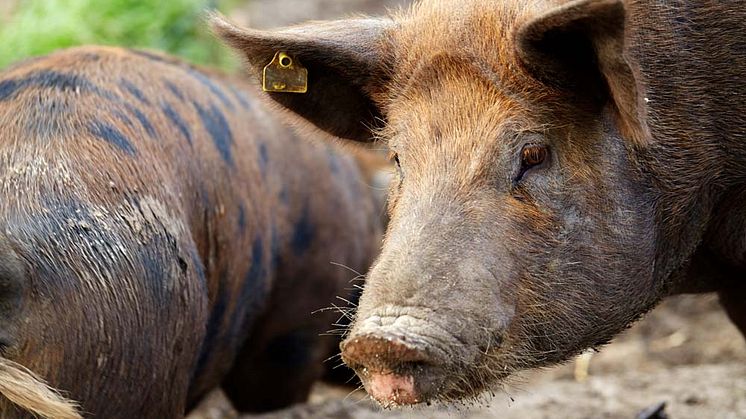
pixel 580 47
pixel 346 69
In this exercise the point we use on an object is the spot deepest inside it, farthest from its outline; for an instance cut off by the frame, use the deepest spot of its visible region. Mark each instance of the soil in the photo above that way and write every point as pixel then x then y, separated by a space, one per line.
pixel 686 353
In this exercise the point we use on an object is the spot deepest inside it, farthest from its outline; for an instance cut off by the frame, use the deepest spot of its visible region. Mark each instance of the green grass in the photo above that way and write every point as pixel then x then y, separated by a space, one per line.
pixel 37 27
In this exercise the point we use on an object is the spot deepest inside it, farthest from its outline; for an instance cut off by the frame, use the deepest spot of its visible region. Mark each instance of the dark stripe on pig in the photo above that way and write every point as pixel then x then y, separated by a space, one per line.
pixel 111 135
pixel 284 195
pixel 196 74
pixel 69 226
pixel 253 292
pixel 198 267
pixel 276 256
pixel 134 91
pixel 161 254
pixel 158 255
pixel 214 324
pixel 241 218
pixel 148 55
pixel 7 88
pixel 333 162
pixel 64 226
pixel 48 79
pixel 65 82
pixel 263 158
pixel 49 119
pixel 241 97
pixel 218 128
pixel 177 120
pixel 175 90
pixel 122 117
pixel 303 233
pixel 144 121
pixel 211 85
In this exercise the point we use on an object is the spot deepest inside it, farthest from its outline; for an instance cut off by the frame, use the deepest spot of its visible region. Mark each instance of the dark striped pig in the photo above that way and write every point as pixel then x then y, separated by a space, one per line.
pixel 563 166
pixel 163 235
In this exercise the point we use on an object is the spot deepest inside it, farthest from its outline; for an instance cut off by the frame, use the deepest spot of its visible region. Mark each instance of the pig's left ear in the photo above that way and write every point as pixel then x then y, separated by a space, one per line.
pixel 579 46
pixel 346 69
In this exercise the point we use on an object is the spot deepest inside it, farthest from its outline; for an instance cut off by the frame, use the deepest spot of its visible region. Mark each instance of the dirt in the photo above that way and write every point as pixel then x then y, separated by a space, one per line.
pixel 685 353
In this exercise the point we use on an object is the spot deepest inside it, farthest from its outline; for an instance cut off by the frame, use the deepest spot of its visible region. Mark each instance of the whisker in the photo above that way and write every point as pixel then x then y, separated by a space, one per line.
pixel 341 265
pixel 331 358
pixel 350 303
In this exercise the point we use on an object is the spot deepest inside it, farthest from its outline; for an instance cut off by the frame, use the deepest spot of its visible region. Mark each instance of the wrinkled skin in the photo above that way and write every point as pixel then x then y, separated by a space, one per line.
pixel 495 260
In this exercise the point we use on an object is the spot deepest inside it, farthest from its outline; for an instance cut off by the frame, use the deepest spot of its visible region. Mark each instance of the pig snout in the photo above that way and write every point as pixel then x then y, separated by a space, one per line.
pixel 401 360
pixel 388 367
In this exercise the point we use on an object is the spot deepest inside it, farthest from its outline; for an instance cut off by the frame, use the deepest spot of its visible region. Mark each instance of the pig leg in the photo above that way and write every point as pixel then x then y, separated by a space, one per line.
pixel 285 353
pixel 279 371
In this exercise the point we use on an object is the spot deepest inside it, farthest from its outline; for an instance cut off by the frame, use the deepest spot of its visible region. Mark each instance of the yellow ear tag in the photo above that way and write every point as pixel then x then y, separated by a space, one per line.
pixel 283 74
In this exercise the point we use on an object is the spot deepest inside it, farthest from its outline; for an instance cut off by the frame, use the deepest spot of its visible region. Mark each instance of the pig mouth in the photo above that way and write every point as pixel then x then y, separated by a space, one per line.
pixel 405 360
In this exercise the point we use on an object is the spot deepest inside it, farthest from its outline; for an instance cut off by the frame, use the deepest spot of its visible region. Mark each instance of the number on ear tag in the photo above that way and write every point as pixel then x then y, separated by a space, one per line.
pixel 284 74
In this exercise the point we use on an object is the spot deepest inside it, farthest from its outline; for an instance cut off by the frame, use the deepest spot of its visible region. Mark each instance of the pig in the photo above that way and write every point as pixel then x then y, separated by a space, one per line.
pixel 163 235
pixel 562 167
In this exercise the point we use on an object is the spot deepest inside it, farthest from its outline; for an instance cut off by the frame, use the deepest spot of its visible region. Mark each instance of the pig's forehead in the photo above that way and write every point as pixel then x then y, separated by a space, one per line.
pixel 445 69
pixel 483 27
pixel 450 93
pixel 464 45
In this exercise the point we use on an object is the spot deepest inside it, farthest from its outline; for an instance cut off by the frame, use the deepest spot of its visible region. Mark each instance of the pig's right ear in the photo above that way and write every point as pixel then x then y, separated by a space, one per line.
pixel 580 46
pixel 346 67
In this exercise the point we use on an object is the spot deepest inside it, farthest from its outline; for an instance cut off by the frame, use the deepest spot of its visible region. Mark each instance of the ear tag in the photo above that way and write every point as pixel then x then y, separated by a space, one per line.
pixel 285 75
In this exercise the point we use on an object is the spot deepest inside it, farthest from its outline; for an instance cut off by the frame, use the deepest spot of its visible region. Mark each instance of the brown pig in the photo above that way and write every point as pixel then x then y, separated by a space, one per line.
pixel 162 235
pixel 563 166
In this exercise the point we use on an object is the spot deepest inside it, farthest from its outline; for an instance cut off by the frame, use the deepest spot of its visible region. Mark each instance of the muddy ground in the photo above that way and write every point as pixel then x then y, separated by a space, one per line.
pixel 685 353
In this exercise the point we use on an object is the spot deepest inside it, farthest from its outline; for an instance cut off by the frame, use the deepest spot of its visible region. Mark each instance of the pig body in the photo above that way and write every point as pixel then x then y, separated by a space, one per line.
pixel 563 166
pixel 162 235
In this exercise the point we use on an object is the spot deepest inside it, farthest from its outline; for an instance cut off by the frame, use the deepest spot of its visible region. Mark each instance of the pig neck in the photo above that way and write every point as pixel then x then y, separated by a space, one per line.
pixel 693 86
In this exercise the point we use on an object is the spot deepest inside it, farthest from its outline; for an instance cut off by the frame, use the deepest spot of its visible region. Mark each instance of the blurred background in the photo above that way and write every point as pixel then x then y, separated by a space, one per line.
pixel 36 27
pixel 685 353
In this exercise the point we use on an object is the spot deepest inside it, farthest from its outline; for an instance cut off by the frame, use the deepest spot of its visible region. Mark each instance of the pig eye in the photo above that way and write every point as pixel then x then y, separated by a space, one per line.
pixel 532 155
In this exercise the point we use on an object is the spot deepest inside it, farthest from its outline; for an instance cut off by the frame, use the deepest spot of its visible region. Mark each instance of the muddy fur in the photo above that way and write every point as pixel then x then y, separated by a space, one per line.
pixel 490 267
pixel 161 235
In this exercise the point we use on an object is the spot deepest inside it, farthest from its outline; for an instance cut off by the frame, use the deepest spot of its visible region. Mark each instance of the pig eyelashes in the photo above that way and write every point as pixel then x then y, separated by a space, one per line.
pixel 532 155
